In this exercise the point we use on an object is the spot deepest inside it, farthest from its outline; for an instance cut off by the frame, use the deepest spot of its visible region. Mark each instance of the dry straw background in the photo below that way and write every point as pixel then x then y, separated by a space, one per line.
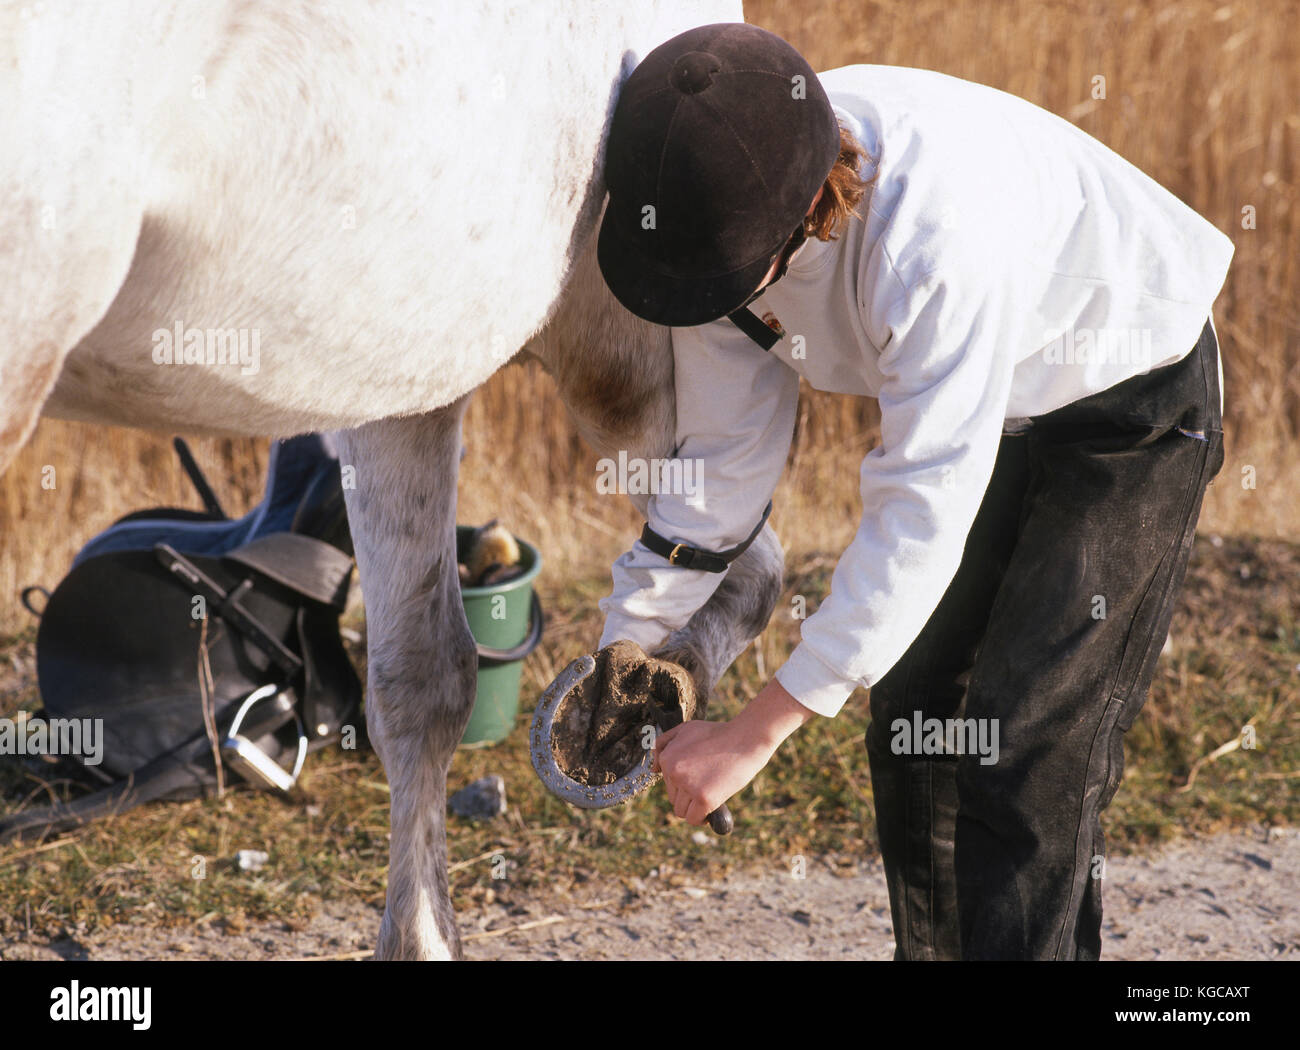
pixel 1201 95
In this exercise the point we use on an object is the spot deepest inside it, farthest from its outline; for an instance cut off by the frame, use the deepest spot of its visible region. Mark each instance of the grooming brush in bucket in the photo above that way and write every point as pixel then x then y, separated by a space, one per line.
pixel 592 738
pixel 505 618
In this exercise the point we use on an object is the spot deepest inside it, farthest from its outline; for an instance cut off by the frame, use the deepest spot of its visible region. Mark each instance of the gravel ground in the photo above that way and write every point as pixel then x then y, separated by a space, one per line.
pixel 1229 896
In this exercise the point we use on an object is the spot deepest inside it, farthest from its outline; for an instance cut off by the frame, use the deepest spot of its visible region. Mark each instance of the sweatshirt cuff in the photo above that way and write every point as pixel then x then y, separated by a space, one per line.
pixel 648 634
pixel 820 688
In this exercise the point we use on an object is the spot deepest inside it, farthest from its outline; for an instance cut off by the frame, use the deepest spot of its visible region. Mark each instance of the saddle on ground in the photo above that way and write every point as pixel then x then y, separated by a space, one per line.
pixel 169 612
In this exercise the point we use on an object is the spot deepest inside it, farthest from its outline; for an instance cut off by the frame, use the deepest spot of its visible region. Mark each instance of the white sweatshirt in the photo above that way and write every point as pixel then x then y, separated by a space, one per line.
pixel 1008 264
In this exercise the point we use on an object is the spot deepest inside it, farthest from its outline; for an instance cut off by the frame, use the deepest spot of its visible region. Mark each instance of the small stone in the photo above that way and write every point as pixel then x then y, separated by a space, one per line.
pixel 701 838
pixel 483 799
pixel 251 859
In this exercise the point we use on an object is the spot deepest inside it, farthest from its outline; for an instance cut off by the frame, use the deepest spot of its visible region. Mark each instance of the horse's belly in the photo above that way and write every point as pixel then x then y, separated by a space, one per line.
pixel 220 363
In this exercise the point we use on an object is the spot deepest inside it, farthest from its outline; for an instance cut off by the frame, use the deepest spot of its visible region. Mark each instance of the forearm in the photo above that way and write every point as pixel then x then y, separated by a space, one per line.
pixel 772 716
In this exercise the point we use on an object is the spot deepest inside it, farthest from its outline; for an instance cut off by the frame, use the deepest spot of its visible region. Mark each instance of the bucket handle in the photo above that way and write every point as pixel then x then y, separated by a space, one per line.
pixel 26 598
pixel 487 656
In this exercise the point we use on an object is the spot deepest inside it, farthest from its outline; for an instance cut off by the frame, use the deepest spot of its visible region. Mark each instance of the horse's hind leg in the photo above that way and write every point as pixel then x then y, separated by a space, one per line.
pixel 422 663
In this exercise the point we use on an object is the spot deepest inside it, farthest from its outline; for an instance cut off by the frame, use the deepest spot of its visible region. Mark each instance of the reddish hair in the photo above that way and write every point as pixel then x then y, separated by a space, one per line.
pixel 843 191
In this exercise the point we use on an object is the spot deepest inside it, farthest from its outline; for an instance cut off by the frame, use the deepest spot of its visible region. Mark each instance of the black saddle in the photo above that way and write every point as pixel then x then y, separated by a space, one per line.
pixel 122 639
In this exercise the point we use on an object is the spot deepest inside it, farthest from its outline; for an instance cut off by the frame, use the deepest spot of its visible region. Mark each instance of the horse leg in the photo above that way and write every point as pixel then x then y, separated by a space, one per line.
pixel 422 663
pixel 735 614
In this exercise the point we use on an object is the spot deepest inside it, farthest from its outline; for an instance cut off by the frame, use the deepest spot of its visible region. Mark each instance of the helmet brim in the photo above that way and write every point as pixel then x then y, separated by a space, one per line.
pixel 640 285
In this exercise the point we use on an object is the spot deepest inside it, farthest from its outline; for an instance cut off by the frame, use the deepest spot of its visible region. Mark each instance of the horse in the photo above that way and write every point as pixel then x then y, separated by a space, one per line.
pixel 386 201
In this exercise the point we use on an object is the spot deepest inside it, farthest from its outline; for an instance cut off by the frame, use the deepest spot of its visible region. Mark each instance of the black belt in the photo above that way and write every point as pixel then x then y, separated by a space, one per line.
pixel 693 557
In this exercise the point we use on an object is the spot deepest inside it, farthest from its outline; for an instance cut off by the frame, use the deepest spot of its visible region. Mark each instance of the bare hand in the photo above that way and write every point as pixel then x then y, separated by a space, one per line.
pixel 705 763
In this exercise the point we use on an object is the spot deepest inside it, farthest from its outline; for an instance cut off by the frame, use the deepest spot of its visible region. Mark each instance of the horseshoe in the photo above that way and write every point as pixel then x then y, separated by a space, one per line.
pixel 563 786
pixel 558 782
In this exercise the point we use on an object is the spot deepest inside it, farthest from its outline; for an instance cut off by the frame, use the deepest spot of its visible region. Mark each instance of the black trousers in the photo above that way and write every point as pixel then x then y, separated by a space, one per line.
pixel 1051 627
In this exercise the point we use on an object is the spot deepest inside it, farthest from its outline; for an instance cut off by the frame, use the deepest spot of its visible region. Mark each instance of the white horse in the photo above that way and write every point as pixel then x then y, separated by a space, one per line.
pixel 387 201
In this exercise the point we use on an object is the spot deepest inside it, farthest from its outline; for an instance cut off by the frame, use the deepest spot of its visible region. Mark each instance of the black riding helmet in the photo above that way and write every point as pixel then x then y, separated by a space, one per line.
pixel 720 140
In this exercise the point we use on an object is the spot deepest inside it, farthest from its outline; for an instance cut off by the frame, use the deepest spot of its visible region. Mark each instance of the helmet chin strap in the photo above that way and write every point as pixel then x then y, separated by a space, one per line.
pixel 747 322
pixel 743 317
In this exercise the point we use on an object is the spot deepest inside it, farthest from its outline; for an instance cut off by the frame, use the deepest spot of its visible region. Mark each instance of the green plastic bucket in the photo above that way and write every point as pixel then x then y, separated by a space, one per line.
pixel 506 621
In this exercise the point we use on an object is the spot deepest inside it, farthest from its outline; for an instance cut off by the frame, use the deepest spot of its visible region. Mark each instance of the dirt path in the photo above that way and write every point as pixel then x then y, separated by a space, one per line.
pixel 1227 897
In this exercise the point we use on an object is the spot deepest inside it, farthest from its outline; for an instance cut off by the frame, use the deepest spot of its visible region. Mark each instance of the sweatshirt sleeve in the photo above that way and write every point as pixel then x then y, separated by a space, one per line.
pixel 947 365
pixel 736 408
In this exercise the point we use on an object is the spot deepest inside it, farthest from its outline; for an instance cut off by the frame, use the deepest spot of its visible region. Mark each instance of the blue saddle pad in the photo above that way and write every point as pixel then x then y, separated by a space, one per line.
pixel 294 468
